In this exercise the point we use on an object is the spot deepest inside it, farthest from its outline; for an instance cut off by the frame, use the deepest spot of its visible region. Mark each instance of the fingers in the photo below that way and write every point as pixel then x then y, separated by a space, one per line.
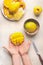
pixel 29 43
pixel 24 47
pixel 16 47
pixel 26 43
pixel 11 44
pixel 6 48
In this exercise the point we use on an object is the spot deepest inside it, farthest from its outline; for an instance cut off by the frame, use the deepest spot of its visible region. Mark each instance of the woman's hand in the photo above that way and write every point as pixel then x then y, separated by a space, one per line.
pixel 23 50
pixel 24 47
pixel 12 49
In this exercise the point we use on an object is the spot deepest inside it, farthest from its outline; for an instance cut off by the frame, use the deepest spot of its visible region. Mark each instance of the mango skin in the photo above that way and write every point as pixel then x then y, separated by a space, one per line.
pixel 17 38
pixel 37 10
pixel 30 27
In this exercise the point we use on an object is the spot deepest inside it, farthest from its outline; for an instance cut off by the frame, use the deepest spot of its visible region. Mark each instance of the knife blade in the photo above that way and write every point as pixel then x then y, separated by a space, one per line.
pixel 38 54
pixel 36 50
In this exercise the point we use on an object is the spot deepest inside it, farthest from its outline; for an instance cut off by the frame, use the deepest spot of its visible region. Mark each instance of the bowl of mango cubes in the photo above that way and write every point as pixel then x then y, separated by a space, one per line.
pixel 13 9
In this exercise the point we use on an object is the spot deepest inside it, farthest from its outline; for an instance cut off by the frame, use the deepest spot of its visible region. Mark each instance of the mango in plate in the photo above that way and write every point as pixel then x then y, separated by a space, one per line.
pixel 14 6
pixel 7 3
pixel 10 16
pixel 18 15
pixel 6 12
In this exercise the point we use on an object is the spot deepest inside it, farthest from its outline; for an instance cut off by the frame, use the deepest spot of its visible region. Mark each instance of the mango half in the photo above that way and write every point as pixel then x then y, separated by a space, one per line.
pixel 14 6
pixel 17 38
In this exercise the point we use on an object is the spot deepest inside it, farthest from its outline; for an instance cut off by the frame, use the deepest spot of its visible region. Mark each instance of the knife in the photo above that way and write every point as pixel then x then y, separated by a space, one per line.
pixel 38 54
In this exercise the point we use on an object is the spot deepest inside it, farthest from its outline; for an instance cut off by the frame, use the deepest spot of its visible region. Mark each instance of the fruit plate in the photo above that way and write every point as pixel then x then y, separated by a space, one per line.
pixel 11 19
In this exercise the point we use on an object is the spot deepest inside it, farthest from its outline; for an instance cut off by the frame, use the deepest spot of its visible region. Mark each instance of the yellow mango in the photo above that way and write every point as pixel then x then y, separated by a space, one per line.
pixel 14 6
pixel 17 38
pixel 37 10
pixel 7 3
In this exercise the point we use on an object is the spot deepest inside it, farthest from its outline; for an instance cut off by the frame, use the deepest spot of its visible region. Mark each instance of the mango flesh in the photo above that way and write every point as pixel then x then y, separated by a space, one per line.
pixel 6 12
pixel 18 15
pixel 14 6
pixel 37 10
pixel 30 26
pixel 17 38
pixel 7 3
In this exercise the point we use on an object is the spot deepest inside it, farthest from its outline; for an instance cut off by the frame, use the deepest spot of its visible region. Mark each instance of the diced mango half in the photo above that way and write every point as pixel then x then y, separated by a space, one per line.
pixel 17 38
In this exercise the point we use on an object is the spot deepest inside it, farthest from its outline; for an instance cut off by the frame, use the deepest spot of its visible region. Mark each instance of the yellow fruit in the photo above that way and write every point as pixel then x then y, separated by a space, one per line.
pixel 22 4
pixel 10 16
pixel 19 0
pixel 14 6
pixel 17 38
pixel 18 15
pixel 15 0
pixel 30 26
pixel 7 3
pixel 6 12
pixel 37 10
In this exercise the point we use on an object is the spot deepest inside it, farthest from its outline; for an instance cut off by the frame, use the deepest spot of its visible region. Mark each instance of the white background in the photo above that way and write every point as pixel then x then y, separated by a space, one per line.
pixel 8 27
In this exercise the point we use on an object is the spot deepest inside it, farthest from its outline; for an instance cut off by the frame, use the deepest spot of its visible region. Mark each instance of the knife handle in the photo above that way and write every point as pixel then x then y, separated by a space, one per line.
pixel 40 58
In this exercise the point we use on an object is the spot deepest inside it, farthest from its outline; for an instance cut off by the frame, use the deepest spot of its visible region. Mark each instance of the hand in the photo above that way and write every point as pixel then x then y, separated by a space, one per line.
pixel 24 47
pixel 12 49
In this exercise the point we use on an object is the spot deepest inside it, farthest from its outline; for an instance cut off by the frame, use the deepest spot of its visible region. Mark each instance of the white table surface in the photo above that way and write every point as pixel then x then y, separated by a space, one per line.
pixel 8 27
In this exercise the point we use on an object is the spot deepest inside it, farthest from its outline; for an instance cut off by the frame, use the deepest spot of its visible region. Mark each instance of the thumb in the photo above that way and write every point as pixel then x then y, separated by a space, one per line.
pixel 7 48
pixel 29 43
